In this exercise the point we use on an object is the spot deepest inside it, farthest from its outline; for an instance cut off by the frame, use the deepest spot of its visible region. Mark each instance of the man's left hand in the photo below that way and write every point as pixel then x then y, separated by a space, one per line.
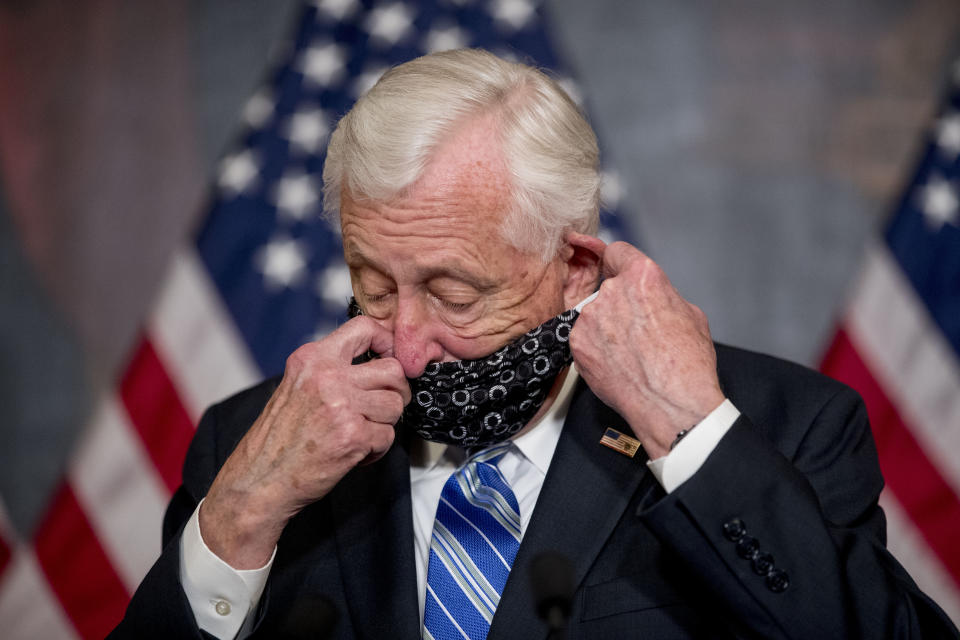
pixel 644 350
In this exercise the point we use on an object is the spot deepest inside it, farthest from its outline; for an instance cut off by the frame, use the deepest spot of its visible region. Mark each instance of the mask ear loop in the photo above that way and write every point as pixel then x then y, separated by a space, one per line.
pixel 590 298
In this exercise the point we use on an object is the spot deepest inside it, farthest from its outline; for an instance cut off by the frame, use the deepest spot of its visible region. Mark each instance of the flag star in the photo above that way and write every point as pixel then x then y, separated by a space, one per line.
pixel 366 80
pixel 948 135
pixel 283 262
pixel 296 195
pixel 258 109
pixel 445 38
pixel 307 129
pixel 390 24
pixel 336 9
pixel 333 285
pixel 939 202
pixel 323 64
pixel 515 14
pixel 611 190
pixel 238 171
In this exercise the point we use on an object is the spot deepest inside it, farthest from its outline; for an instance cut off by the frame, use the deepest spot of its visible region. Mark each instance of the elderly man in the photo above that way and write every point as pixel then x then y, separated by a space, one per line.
pixel 407 468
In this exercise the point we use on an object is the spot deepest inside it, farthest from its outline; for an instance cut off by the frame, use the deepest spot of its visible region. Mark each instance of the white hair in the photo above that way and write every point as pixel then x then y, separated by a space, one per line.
pixel 384 143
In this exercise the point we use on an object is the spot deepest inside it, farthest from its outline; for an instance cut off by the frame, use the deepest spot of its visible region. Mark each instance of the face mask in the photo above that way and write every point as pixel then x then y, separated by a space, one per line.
pixel 477 403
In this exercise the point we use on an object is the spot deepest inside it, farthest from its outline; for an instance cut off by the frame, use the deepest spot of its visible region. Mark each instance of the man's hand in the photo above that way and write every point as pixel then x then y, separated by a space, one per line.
pixel 644 350
pixel 326 417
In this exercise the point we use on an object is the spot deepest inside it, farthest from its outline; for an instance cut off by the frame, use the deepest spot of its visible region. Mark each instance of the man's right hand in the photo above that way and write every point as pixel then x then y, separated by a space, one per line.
pixel 326 417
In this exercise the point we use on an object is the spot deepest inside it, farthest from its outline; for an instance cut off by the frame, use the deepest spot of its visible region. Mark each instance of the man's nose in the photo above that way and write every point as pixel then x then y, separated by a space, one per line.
pixel 414 342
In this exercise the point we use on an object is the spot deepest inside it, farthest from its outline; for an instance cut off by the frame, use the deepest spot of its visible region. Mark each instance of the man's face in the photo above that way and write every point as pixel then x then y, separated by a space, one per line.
pixel 432 267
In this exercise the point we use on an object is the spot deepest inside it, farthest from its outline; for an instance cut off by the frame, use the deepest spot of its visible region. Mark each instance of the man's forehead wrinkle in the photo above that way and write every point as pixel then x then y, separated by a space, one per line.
pixel 442 236
pixel 353 253
pixel 445 205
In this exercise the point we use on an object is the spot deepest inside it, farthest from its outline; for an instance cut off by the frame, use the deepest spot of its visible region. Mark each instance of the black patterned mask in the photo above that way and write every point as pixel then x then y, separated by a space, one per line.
pixel 477 403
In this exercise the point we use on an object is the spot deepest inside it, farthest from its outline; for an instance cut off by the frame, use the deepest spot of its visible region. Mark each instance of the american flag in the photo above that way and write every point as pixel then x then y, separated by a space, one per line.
pixel 620 442
pixel 262 276
pixel 898 344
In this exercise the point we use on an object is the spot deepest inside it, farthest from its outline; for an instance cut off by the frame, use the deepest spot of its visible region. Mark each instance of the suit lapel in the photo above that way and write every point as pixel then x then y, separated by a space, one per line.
pixel 584 495
pixel 374 526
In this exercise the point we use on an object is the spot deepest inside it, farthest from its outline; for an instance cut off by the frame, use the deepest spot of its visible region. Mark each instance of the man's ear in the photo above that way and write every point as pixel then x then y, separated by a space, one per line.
pixel 583 255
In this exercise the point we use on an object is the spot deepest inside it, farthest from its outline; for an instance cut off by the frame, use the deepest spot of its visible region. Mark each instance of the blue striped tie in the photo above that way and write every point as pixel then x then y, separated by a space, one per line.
pixel 475 539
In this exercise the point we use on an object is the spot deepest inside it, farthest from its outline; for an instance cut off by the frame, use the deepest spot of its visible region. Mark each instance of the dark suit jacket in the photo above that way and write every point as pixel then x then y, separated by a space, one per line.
pixel 798 470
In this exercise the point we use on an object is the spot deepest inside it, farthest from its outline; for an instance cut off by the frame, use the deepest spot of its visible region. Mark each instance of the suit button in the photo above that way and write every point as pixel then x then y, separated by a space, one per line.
pixel 734 529
pixel 748 547
pixel 762 564
pixel 778 580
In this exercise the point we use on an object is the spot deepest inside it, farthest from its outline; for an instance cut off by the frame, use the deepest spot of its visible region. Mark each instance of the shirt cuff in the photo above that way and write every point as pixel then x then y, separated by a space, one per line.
pixel 220 596
pixel 692 451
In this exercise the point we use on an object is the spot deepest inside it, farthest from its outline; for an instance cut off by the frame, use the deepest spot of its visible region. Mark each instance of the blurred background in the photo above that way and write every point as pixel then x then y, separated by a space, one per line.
pixel 754 147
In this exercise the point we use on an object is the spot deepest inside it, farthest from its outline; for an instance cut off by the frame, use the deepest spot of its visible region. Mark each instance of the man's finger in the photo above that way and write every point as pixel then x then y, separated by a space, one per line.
pixel 361 334
pixel 617 256
pixel 382 436
pixel 382 373
pixel 382 406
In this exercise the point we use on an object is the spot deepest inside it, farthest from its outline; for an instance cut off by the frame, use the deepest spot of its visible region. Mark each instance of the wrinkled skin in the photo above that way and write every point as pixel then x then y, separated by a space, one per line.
pixel 438 282
pixel 644 350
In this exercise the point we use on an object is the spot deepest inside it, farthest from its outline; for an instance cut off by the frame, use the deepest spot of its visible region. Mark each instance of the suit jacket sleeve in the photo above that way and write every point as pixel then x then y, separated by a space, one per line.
pixel 786 531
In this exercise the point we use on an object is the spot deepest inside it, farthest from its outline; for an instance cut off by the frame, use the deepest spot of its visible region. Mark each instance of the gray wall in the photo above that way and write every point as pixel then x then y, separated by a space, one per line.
pixel 759 145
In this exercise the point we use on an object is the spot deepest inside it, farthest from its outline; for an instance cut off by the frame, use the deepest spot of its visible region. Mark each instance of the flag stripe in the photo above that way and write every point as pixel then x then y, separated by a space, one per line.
pixel 156 413
pixel 929 260
pixel 78 570
pixel 120 491
pixel 906 543
pixel 193 335
pixel 906 353
pixel 899 346
pixel 914 480
pixel 28 609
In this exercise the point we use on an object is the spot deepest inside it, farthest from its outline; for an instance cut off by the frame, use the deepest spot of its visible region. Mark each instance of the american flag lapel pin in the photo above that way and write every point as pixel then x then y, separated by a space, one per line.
pixel 620 442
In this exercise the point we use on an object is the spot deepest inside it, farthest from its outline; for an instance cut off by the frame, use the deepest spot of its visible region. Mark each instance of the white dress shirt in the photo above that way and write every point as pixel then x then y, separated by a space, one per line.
pixel 222 597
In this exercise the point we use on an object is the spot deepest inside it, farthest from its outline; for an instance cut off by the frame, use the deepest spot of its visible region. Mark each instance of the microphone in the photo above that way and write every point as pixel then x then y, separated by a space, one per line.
pixel 311 616
pixel 551 576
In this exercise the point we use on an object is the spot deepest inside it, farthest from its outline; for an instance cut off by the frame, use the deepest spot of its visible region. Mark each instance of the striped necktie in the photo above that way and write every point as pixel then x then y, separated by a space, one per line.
pixel 475 538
